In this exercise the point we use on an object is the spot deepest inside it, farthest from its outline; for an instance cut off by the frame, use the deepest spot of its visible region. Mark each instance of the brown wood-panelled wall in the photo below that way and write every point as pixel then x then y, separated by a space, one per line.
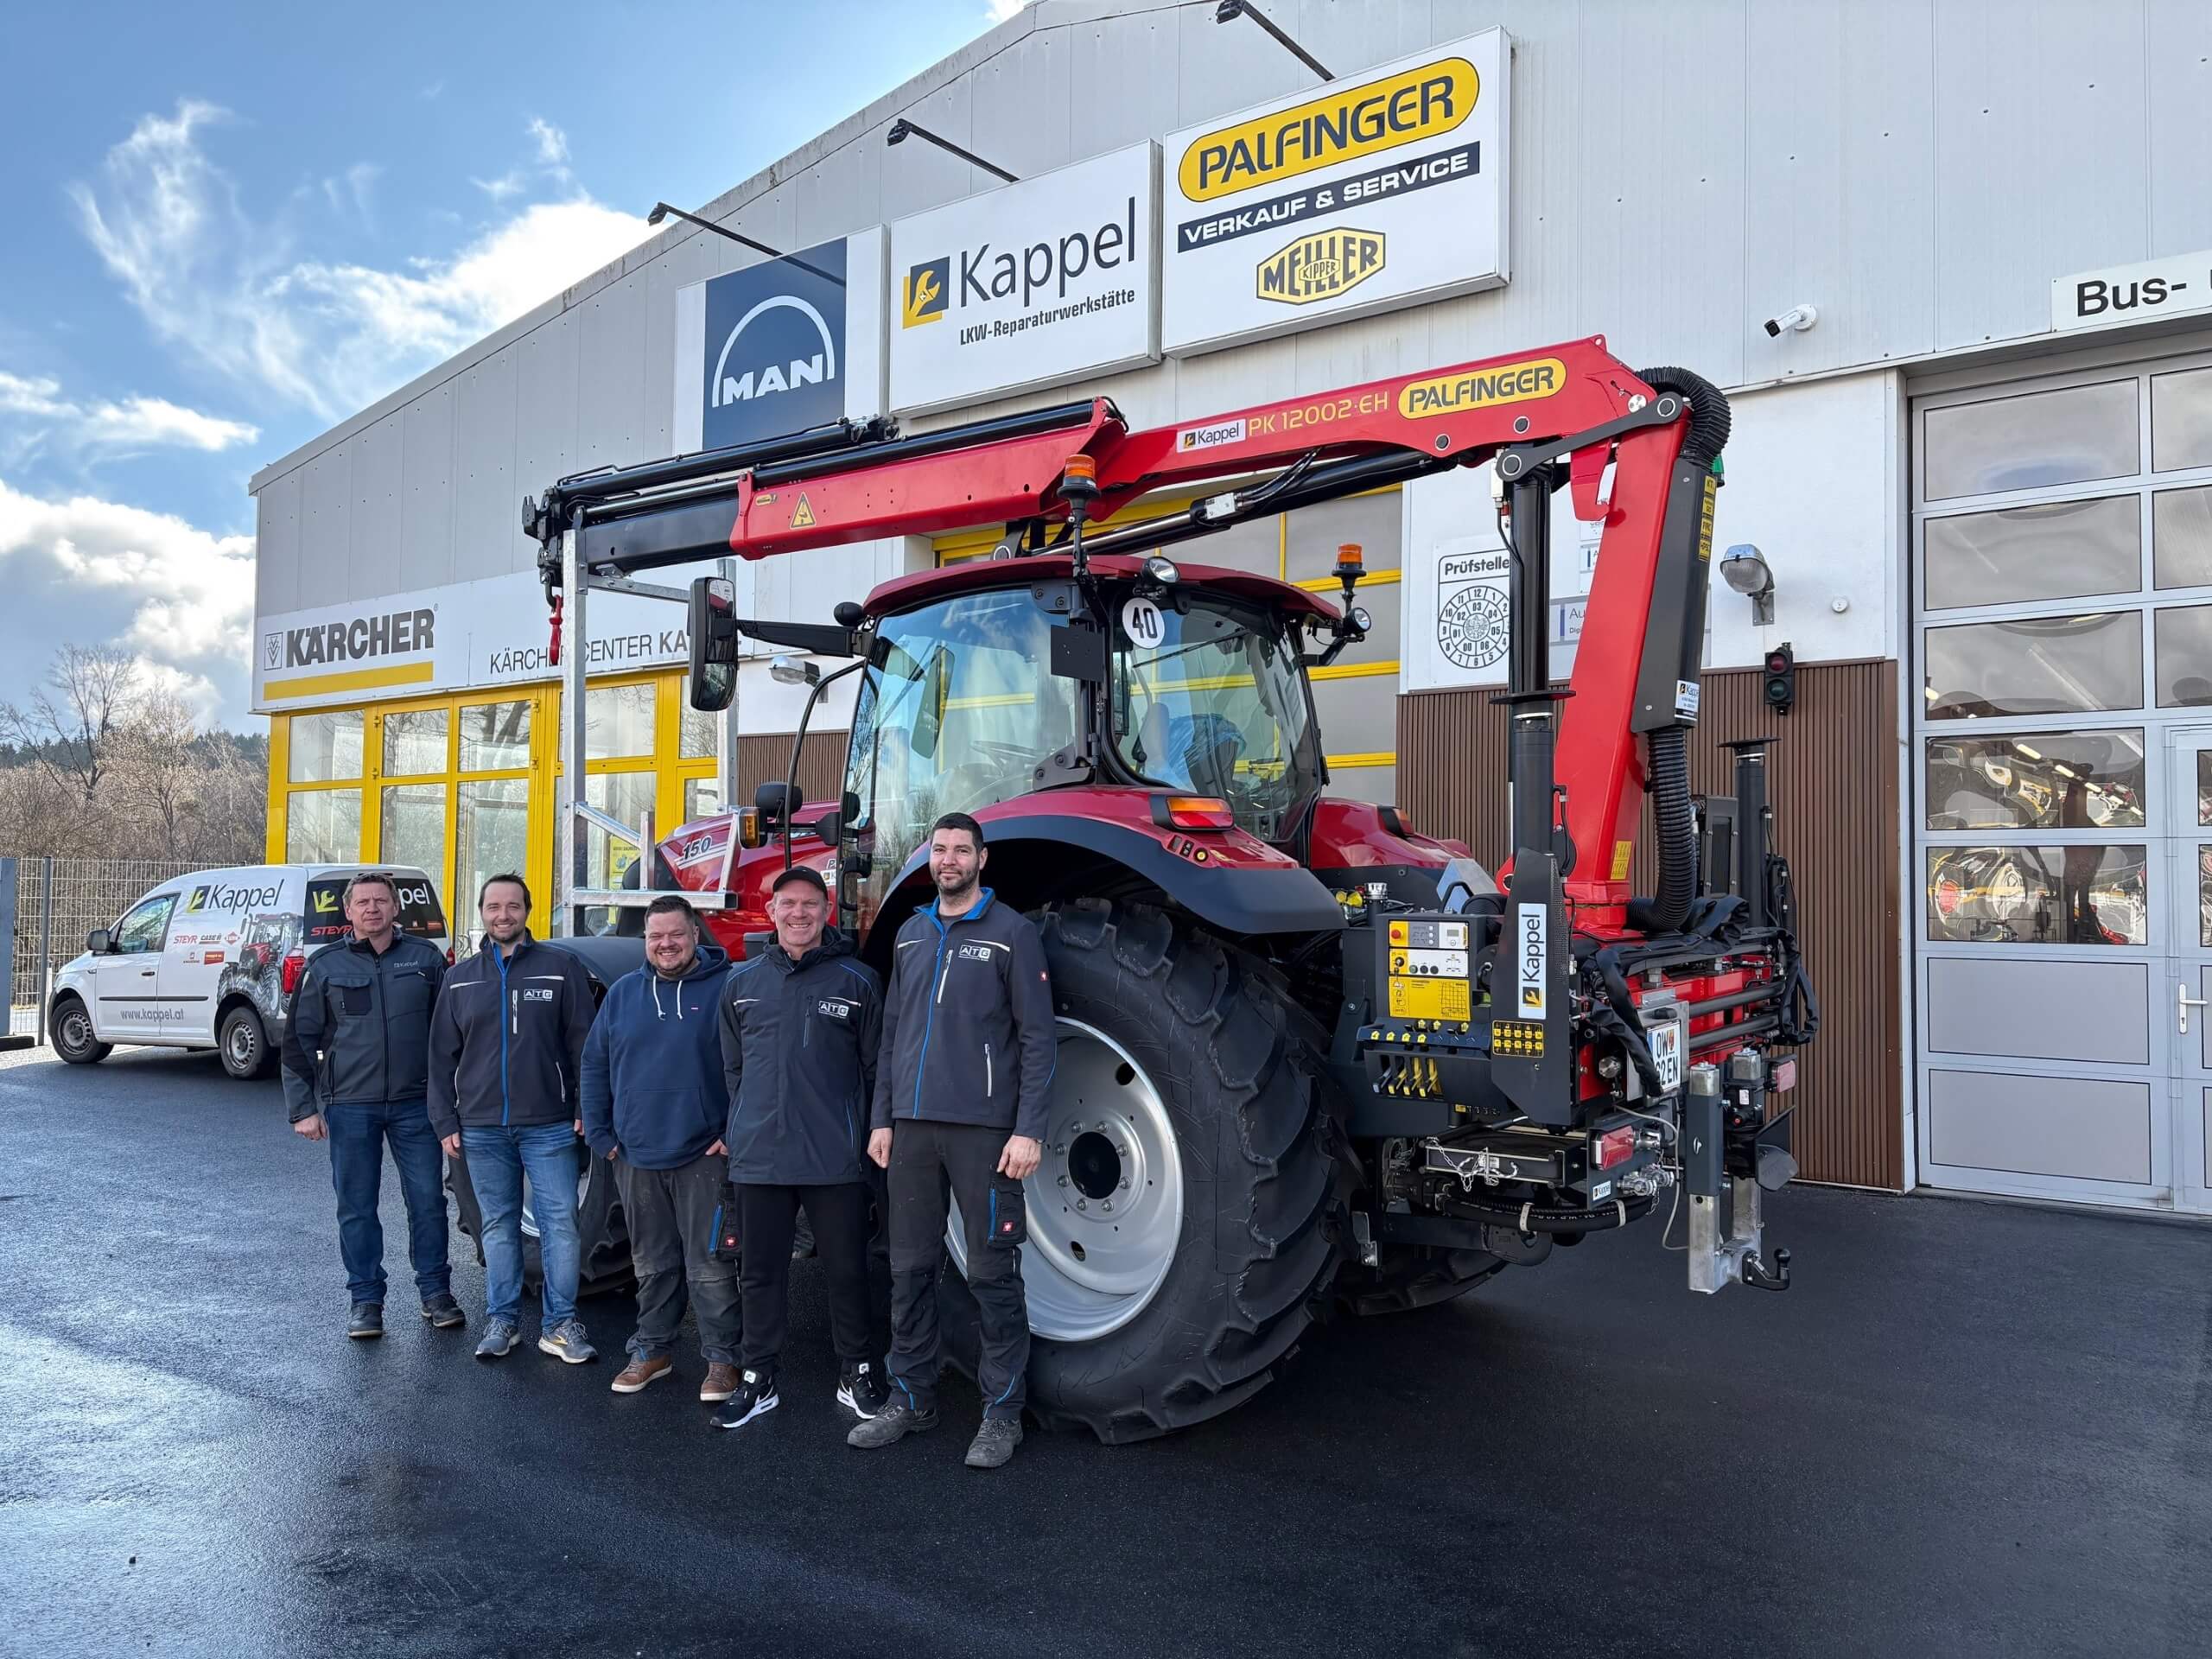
pixel 767 759
pixel 1835 792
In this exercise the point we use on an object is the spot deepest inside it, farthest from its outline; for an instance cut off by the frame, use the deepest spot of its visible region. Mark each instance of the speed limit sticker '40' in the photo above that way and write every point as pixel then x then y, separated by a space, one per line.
pixel 1141 621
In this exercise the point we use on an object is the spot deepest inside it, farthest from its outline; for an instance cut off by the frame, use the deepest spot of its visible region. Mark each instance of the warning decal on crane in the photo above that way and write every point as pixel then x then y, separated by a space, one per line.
pixel 802 514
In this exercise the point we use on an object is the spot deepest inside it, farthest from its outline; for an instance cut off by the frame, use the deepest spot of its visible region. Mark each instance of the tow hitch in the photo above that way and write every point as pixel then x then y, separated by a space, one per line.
pixel 1730 1154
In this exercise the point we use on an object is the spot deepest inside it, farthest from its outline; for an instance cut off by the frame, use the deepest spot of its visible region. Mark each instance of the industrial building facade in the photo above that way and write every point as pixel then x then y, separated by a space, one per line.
pixel 1941 255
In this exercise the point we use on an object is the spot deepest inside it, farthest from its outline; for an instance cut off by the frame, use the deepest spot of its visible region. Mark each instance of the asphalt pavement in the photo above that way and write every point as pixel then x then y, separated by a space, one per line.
pixel 1970 1428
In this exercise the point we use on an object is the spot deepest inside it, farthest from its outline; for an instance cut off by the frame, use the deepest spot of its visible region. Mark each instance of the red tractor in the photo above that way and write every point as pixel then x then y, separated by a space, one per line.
pixel 1308 1056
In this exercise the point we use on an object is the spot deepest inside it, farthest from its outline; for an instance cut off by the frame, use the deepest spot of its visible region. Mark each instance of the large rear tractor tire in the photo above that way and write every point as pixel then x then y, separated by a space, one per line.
pixel 602 1233
pixel 1414 1276
pixel 1179 1239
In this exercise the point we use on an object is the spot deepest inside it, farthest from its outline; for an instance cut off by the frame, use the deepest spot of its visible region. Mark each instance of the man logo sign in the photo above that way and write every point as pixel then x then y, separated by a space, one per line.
pixel 728 386
pixel 773 347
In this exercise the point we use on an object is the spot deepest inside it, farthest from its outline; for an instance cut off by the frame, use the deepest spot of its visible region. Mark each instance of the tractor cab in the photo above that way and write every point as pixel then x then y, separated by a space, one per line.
pixel 1011 677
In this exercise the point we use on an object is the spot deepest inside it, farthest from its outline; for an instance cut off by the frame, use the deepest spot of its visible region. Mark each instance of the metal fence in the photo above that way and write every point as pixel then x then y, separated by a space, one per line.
pixel 57 901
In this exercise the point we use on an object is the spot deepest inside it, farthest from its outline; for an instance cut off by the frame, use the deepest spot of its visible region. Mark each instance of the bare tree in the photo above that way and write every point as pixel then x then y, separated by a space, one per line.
pixel 69 726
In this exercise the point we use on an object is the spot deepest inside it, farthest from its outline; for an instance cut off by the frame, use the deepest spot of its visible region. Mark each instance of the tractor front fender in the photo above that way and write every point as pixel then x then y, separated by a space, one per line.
pixel 1238 887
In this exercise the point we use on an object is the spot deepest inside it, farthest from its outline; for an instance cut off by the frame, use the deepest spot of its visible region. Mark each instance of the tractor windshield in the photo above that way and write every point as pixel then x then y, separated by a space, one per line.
pixel 1209 699
pixel 961 713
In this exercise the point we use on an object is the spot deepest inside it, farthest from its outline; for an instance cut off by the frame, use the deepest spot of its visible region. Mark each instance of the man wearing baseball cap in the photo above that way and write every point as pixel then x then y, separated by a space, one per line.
pixel 800 1025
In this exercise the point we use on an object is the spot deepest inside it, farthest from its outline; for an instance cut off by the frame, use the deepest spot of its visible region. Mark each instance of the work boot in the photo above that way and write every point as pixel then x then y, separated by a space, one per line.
pixel 501 1336
pixel 995 1442
pixel 755 1396
pixel 721 1383
pixel 442 1312
pixel 639 1372
pixel 367 1321
pixel 895 1422
pixel 861 1391
pixel 566 1341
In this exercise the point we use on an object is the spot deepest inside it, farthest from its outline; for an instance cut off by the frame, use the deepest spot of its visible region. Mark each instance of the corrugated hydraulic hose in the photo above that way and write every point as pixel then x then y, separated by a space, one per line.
pixel 1671 816
pixel 1709 416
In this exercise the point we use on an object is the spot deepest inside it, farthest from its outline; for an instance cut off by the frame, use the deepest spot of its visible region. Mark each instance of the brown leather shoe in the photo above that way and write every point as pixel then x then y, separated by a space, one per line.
pixel 721 1383
pixel 638 1372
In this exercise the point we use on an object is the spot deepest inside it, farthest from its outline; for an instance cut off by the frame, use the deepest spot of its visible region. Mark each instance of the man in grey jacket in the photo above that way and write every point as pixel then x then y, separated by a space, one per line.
pixel 357 1049
pixel 961 1095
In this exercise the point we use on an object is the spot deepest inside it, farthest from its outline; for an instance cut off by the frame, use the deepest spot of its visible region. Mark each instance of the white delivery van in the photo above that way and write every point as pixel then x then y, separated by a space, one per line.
pixel 210 960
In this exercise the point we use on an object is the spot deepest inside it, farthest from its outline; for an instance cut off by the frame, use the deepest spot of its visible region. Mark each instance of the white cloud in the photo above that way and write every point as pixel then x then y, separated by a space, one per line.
pixel 999 11
pixel 87 570
pixel 35 417
pixel 552 142
pixel 507 184
pixel 330 337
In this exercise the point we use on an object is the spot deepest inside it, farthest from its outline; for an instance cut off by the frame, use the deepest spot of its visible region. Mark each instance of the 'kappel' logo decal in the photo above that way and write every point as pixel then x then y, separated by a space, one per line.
pixel 929 285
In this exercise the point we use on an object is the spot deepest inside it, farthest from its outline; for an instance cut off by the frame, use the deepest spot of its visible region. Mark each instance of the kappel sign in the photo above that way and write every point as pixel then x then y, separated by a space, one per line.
pixel 781 346
pixel 1028 285
pixel 1387 189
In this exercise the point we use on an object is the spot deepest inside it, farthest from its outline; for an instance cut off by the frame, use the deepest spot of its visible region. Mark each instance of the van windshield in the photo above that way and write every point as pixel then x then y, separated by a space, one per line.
pixel 420 912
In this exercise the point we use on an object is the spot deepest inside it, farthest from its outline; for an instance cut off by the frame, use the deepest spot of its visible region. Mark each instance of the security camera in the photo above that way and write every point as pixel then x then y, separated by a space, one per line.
pixel 1800 317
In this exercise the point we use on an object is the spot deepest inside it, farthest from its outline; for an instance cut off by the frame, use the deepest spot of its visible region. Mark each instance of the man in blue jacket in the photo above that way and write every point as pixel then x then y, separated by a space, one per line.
pixel 800 1025
pixel 506 1049
pixel 961 1096
pixel 655 1105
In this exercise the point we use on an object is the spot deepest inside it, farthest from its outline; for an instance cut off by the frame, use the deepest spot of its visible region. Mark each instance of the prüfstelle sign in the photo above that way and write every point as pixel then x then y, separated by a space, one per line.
pixel 1029 285
pixel 1385 189
pixel 781 346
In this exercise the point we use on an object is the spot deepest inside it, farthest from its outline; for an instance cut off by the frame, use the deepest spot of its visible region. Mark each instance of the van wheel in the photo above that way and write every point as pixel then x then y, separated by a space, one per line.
pixel 243 1044
pixel 73 1034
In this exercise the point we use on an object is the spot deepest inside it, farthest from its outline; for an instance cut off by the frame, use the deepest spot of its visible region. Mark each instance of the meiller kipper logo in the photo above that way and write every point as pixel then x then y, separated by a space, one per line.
pixel 1341 125
pixel 358 639
pixel 1320 267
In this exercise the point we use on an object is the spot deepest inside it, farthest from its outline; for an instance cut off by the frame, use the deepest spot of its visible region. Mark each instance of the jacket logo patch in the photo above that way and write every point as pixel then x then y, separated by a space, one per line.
pixel 974 953
pixel 537 996
pixel 1006 1226
pixel 834 1010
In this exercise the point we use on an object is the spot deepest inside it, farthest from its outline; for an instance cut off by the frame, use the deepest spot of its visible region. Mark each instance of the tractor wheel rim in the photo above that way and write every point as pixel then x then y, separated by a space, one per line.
pixel 1105 1205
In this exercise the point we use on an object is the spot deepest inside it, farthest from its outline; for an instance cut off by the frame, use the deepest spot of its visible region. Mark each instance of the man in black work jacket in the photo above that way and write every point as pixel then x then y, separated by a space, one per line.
pixel 506 1050
pixel 357 1049
pixel 968 1055
pixel 800 1025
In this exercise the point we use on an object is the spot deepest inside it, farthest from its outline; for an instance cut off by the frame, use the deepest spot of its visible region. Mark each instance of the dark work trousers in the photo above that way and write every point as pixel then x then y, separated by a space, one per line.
pixel 673 1215
pixel 839 1217
pixel 928 1159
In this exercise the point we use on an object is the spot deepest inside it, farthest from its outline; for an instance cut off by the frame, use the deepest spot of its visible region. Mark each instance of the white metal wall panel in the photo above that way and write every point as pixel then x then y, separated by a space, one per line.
pixel 611 375
pixel 426 491
pixel 278 564
pixel 376 519
pixel 546 405
pixel 2040 159
pixel 2028 1010
pixel 1022 115
pixel 1129 69
pixel 488 501
pixel 2177 108
pixel 2073 1129
pixel 324 507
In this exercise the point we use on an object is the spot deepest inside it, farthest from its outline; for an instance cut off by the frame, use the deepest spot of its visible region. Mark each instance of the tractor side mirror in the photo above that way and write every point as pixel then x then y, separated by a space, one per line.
pixel 99 943
pixel 831 825
pixel 774 803
pixel 712 618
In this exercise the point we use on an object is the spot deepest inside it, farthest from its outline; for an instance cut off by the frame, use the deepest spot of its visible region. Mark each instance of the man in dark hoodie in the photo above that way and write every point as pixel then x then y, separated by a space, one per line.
pixel 506 1049
pixel 655 1104
pixel 962 1087
pixel 800 1025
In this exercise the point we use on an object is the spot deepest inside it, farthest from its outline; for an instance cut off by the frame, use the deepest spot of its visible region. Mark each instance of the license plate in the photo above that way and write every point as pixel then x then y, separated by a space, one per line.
pixel 1667 1054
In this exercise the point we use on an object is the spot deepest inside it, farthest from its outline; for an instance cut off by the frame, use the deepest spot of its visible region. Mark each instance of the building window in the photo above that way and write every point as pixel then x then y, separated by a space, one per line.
pixel 2181 420
pixel 2032 441
pixel 491 837
pixel 619 721
pixel 2039 895
pixel 412 830
pixel 495 736
pixel 323 826
pixel 415 742
pixel 327 748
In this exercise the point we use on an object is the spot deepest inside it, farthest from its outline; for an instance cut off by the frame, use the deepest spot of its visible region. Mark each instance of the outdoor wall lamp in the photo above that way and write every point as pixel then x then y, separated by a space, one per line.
pixel 1230 10
pixel 1745 569
pixel 902 128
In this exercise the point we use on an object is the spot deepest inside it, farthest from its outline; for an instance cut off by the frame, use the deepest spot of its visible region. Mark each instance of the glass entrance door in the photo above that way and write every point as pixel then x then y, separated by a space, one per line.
pixel 2186 990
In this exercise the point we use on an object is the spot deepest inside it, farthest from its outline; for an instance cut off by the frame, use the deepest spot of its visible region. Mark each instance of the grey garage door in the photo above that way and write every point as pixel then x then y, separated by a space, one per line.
pixel 2063 636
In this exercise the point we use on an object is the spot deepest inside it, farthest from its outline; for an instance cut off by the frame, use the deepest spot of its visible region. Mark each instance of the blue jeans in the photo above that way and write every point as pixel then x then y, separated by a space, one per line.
pixel 358 1130
pixel 497 1160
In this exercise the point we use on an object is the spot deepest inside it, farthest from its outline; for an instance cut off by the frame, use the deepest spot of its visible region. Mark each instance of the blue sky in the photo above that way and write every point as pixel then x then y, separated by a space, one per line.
pixel 229 227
